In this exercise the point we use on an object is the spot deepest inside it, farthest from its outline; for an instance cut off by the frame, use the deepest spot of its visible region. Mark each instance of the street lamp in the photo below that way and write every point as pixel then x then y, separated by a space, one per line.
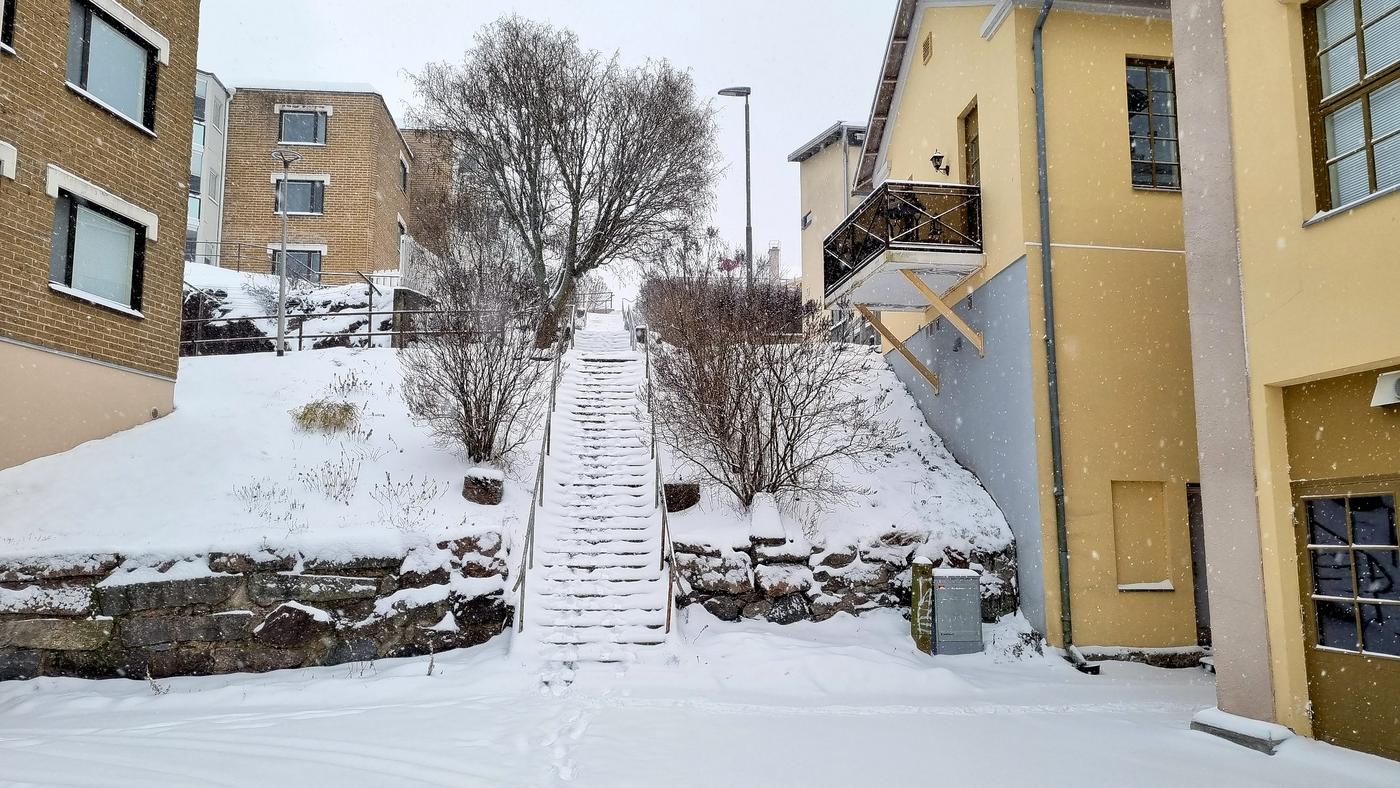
pixel 744 92
pixel 288 158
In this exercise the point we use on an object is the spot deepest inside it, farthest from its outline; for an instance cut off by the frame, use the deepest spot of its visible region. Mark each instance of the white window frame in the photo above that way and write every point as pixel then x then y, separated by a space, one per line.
pixel 61 179
pixel 9 160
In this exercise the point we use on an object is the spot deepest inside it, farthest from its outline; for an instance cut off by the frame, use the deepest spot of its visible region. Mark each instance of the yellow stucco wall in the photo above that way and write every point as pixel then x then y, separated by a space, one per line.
pixel 821 179
pixel 1319 301
pixel 1125 357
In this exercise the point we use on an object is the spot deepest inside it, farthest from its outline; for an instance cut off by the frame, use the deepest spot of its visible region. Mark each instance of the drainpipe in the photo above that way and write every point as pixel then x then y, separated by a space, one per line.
pixel 1052 376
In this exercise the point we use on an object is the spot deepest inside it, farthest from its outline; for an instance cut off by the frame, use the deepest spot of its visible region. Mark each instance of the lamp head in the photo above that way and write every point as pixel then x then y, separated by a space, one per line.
pixel 937 160
pixel 742 92
pixel 286 156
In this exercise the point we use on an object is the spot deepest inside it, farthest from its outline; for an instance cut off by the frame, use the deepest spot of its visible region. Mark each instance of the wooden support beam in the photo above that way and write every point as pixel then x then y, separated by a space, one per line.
pixel 937 304
pixel 913 360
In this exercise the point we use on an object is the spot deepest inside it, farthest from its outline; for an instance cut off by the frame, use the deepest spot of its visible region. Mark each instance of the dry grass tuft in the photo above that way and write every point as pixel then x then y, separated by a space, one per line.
pixel 325 415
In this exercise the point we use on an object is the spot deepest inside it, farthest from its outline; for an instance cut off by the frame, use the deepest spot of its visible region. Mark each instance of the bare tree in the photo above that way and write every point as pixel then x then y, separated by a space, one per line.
pixel 748 391
pixel 587 161
pixel 473 375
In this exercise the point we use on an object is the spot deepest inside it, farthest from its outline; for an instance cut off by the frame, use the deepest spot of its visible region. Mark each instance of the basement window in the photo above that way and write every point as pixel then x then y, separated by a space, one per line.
pixel 111 64
pixel 1354 560
pixel 303 264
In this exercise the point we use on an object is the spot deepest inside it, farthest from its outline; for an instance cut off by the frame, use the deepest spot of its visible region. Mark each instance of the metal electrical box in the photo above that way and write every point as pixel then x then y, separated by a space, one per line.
pixel 957 611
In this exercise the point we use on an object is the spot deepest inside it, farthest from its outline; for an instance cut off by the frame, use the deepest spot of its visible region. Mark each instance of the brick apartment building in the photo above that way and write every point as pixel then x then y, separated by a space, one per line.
pixel 348 195
pixel 95 113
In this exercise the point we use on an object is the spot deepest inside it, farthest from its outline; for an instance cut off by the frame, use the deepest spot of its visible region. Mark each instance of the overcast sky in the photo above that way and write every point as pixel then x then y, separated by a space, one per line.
pixel 810 63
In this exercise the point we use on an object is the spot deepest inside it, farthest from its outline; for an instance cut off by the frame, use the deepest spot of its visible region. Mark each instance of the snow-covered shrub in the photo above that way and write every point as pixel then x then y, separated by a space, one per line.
pixel 336 479
pixel 749 392
pixel 406 505
pixel 473 376
pixel 327 415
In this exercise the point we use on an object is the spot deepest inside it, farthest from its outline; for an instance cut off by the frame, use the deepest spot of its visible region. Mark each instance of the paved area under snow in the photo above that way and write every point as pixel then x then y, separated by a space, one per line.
pixel 842 703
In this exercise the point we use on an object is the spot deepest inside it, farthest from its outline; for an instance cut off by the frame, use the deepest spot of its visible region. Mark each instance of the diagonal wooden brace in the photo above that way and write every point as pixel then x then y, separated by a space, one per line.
pixel 913 360
pixel 937 304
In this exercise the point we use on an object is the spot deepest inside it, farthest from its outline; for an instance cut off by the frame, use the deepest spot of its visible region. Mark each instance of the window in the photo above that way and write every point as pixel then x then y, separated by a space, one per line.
pixel 7 23
pixel 192 209
pixel 97 251
pixel 1152 136
pixel 1354 88
pixel 196 168
pixel 197 138
pixel 201 99
pixel 302 196
pixel 303 127
pixel 213 190
pixel 1354 560
pixel 806 220
pixel 972 148
pixel 304 264
pixel 928 48
pixel 403 175
pixel 111 64
pixel 191 244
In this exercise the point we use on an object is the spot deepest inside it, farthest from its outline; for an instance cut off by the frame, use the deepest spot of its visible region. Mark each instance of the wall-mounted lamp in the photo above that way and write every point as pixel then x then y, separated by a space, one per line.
pixel 938 165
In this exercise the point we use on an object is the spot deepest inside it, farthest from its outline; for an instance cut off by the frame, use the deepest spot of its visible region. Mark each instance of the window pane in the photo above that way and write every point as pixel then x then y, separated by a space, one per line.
pixel 1327 521
pixel 299 196
pixel 192 209
pixel 1331 570
pixel 1165 151
pixel 1141 149
pixel 1335 20
pixel 1142 173
pixel 299 127
pixel 198 136
pixel 1137 99
pixel 1336 625
pixel 1385 110
pixel 1378 574
pixel 103 255
pixel 1373 520
pixel 1340 68
pixel 1382 43
pixel 117 70
pixel 1371 10
pixel 1346 130
pixel 1138 124
pixel 58 255
pixel 1349 179
pixel 1380 629
pixel 1169 176
pixel 1164 126
pixel 1163 103
pixel 1137 77
pixel 1388 163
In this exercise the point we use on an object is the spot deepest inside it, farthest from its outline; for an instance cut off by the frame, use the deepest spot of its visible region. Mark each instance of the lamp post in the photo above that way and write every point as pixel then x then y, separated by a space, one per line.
pixel 287 157
pixel 748 181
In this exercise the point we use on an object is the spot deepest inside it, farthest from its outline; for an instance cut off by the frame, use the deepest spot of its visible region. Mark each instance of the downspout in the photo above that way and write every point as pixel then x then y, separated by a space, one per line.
pixel 845 171
pixel 1052 376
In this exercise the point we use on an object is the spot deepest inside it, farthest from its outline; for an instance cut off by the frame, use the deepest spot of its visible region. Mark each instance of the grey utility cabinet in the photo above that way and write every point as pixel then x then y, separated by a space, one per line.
pixel 957 611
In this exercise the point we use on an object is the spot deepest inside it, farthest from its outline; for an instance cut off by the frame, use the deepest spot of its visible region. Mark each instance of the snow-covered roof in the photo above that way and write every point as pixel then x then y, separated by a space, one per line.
pixel 309 86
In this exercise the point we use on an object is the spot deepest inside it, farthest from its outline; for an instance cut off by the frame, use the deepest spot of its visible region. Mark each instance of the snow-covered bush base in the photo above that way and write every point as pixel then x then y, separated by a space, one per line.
pixel 102 616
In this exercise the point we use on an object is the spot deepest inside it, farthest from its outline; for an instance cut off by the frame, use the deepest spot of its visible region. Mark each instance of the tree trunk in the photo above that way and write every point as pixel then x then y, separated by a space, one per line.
pixel 556 314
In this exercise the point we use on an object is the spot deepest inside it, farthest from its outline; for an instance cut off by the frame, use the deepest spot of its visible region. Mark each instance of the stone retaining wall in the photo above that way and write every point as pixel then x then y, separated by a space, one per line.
pixel 103 616
pixel 787 580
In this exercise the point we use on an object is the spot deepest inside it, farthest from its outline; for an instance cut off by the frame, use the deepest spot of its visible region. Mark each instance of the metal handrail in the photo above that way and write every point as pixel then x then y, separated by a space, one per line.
pixel 563 343
pixel 667 557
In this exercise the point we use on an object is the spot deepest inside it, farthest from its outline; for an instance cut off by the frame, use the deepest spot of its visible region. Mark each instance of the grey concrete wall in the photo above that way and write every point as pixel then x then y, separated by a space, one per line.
pixel 1224 433
pixel 985 412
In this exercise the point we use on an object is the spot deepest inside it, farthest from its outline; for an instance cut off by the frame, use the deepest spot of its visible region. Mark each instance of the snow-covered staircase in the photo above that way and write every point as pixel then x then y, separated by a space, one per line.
pixel 597 591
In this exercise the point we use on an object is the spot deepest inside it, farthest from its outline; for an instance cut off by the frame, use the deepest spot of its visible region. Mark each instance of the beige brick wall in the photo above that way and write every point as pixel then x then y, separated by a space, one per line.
pixel 359 225
pixel 51 124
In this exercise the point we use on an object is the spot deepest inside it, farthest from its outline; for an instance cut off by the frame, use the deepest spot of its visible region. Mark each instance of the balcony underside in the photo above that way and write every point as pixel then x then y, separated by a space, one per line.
pixel 882 284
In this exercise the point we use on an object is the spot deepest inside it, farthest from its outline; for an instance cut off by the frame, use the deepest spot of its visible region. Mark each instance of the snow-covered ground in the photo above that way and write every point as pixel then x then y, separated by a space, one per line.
pixel 846 702
pixel 230 471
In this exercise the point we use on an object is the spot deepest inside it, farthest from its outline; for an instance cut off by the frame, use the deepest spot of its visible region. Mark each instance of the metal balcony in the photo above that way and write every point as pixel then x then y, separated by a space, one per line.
pixel 932 231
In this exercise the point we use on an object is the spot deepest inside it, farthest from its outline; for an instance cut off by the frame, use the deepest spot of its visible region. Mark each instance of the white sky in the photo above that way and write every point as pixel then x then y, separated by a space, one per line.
pixel 810 63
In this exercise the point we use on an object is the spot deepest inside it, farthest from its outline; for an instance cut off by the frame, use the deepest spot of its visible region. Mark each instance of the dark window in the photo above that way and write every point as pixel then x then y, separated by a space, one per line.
pixel 1152 138
pixel 7 22
pixel 403 175
pixel 97 251
pixel 302 196
pixel 972 148
pixel 1355 563
pixel 305 264
pixel 301 126
pixel 191 244
pixel 201 99
pixel 806 220
pixel 111 63
pixel 1354 89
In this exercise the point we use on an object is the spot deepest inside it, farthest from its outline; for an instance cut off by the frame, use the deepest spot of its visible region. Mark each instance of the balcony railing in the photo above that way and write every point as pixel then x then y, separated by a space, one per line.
pixel 904 216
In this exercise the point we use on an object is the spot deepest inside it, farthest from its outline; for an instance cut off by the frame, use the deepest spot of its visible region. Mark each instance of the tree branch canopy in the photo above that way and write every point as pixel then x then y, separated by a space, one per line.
pixel 586 161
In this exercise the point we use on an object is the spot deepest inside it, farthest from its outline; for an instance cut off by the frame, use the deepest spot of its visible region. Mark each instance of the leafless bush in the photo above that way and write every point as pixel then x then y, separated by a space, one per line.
pixel 748 390
pixel 590 161
pixel 406 505
pixel 336 479
pixel 346 383
pixel 474 377
pixel 271 502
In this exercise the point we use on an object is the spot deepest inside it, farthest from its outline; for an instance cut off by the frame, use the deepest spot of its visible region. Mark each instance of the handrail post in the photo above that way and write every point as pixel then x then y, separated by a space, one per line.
pixel 301 330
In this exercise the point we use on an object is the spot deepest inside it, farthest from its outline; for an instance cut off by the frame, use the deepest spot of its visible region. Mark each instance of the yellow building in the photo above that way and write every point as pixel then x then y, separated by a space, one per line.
pixel 1291 128
pixel 945 258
